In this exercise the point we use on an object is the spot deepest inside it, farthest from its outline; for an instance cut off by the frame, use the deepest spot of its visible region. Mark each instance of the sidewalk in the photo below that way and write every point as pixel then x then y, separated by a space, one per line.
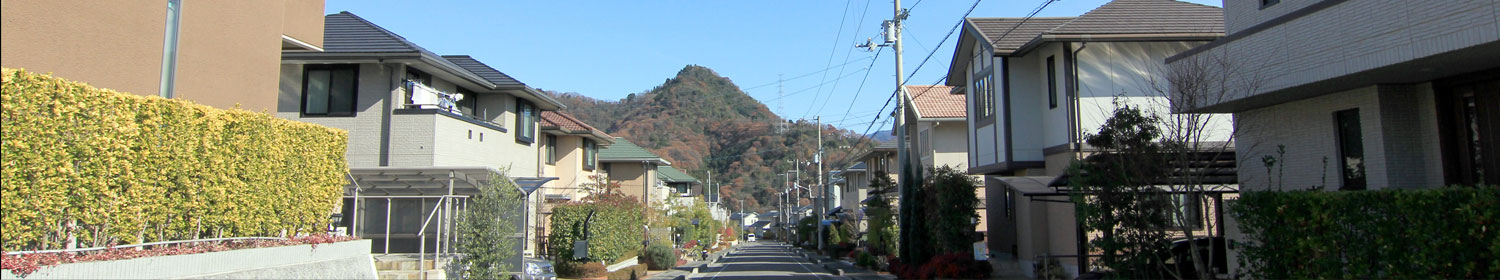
pixel 850 270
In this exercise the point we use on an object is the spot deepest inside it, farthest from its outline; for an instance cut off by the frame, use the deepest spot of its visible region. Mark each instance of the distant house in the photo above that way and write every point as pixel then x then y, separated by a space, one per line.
pixel 224 54
pixel 424 130
pixel 634 168
pixel 1035 86
pixel 683 188
pixel 570 152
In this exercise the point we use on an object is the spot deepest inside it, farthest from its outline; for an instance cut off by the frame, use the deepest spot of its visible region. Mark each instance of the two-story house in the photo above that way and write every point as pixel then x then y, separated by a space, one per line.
pixel 1036 85
pixel 223 54
pixel 424 130
pixel 570 152
pixel 634 169
pixel 681 187
pixel 941 115
pixel 1362 95
pixel 1394 94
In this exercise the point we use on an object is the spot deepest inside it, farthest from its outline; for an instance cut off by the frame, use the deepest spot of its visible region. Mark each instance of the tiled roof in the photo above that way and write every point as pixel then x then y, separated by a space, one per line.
pixel 673 175
pixel 623 150
pixel 1146 17
pixel 1136 17
pixel 348 33
pixel 483 70
pixel 566 123
pixel 937 102
pixel 994 28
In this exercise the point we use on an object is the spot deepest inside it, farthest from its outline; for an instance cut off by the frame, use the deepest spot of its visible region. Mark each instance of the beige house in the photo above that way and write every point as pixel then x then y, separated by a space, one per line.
pixel 217 53
pixel 424 131
pixel 942 134
pixel 1035 86
pixel 570 153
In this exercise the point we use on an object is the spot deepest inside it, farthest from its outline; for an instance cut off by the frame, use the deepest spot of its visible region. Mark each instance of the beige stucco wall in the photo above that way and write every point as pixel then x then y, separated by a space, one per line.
pixel 635 178
pixel 228 52
pixel 303 20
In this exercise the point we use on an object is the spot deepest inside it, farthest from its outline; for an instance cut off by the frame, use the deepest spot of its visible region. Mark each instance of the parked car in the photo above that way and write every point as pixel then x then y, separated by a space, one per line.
pixel 536 269
pixel 750 237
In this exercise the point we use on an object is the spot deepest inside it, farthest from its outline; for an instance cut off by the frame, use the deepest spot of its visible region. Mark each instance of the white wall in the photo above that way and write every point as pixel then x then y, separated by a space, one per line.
pixel 1131 73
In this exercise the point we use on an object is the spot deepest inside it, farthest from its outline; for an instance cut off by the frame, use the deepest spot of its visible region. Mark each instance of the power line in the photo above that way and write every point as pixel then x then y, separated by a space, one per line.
pixel 862 86
pixel 804 75
pixel 857 29
pixel 843 18
pixel 1023 21
pixel 940 44
pixel 815 87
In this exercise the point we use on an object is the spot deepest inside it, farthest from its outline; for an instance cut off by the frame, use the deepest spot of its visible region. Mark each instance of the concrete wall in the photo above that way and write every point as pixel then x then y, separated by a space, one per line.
pixel 343 260
pixel 1399 128
pixel 228 51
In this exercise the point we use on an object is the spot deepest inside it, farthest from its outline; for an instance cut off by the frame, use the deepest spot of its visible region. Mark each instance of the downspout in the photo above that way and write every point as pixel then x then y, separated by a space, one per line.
pixel 1083 259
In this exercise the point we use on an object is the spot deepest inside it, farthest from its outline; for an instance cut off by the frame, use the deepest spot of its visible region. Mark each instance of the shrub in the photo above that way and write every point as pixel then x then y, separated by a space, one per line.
pixel 614 232
pixel 660 256
pixel 108 167
pixel 485 231
pixel 865 259
pixel 1431 233
pixel 593 270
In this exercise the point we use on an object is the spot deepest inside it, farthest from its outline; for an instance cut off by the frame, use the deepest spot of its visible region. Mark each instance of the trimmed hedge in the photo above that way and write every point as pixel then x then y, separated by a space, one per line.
pixel 111 167
pixel 616 231
pixel 1389 234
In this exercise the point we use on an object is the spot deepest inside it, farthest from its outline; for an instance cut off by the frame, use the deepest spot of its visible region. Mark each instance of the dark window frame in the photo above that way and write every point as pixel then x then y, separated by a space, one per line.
pixel 1268 3
pixel 551 149
pixel 354 89
pixel 1347 127
pixel 1051 82
pixel 526 122
pixel 590 154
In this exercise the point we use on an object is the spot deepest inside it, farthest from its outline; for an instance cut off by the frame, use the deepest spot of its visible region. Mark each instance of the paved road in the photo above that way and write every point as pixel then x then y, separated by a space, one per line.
pixel 759 260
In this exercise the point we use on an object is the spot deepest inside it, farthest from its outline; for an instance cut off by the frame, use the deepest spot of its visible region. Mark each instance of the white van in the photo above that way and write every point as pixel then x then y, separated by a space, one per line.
pixel 750 237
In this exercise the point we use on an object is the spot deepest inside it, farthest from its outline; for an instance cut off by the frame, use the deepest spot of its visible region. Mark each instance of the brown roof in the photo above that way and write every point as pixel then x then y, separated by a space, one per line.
pixel 937 101
pixel 1118 17
pixel 1146 17
pixel 561 121
pixel 994 28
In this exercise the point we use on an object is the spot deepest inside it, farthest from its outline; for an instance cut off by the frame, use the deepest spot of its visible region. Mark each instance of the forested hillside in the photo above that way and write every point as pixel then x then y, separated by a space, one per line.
pixel 701 121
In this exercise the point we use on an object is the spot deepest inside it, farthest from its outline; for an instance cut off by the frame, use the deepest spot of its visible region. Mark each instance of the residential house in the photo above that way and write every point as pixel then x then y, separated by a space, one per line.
pixel 941 115
pixel 682 188
pixel 634 169
pixel 424 130
pixel 1393 94
pixel 570 152
pixel 1036 85
pixel 879 160
pixel 1361 95
pixel 223 54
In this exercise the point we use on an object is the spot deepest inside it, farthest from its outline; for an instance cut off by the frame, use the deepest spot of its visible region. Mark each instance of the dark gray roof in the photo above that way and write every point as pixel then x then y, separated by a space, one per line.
pixel 483 70
pixel 1118 17
pixel 346 32
pixel 994 28
pixel 1146 17
pixel 885 145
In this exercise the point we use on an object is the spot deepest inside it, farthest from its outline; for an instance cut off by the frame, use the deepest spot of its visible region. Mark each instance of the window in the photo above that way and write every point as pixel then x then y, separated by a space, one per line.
pixel 329 90
pixel 412 74
pixel 525 122
pixel 468 105
pixel 551 149
pixel 1189 211
pixel 590 154
pixel 1351 149
pixel 984 96
pixel 1268 3
pixel 1051 83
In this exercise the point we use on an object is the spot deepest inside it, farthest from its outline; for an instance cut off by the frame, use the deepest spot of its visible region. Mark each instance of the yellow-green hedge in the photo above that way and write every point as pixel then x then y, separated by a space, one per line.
pixel 104 166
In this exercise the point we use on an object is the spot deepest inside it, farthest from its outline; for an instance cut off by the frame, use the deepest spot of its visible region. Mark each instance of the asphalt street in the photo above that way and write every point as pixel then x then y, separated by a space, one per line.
pixel 756 260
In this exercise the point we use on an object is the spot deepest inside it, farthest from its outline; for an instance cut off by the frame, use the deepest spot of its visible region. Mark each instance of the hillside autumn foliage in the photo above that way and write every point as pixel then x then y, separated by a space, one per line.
pixel 701 121
pixel 103 167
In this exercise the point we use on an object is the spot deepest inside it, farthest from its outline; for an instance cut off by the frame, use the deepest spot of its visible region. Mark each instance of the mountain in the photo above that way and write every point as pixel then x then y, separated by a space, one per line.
pixel 701 121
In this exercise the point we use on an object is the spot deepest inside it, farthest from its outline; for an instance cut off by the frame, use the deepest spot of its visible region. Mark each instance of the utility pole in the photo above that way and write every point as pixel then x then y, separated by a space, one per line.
pixel 823 204
pixel 904 178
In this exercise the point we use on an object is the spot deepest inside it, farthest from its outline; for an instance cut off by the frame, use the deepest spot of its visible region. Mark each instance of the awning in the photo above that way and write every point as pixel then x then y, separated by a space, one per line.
pixel 430 181
pixel 835 210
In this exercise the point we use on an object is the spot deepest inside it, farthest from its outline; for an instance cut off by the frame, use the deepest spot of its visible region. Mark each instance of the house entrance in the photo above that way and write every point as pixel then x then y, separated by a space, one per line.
pixel 1469 123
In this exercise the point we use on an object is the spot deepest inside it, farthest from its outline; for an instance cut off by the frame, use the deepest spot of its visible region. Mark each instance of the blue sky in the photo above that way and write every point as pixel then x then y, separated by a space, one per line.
pixel 608 49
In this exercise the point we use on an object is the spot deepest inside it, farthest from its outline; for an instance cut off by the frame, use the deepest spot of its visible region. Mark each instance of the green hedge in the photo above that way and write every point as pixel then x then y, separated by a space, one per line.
pixel 1392 234
pixel 616 231
pixel 106 166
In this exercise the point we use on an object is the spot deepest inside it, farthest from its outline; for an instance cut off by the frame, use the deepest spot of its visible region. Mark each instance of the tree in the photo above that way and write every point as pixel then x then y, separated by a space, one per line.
pixel 882 219
pixel 1116 196
pixel 951 212
pixel 487 243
